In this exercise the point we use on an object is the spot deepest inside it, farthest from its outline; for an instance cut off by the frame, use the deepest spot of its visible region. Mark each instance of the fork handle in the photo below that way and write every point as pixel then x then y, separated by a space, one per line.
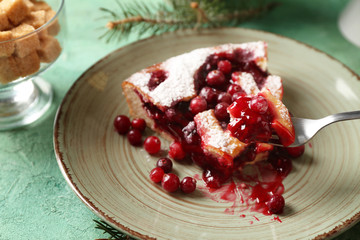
pixel 341 117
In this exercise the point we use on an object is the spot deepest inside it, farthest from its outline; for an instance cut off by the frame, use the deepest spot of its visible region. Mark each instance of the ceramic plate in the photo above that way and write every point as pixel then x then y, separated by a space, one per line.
pixel 111 177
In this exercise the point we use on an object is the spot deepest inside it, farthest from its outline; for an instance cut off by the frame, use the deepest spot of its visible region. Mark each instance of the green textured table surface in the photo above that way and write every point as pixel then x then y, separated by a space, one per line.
pixel 35 200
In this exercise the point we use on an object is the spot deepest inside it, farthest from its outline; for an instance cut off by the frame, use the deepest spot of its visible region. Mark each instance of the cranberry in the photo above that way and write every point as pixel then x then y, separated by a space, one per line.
pixel 259 104
pixel 122 124
pixel 190 134
pixel 236 95
pixel 165 163
pixel 156 174
pixel 234 88
pixel 224 66
pixel 209 94
pixel 134 136
pixel 176 151
pixel 212 179
pixel 221 111
pixel 296 151
pixel 152 144
pixel 230 56
pixel 215 78
pixel 139 124
pixel 238 107
pixel 213 60
pixel 197 104
pixel 170 182
pixel 276 204
pixel 248 125
pixel 250 128
pixel 224 97
pixel 188 185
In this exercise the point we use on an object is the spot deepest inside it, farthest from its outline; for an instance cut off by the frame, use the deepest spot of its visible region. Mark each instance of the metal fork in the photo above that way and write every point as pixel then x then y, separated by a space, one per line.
pixel 305 129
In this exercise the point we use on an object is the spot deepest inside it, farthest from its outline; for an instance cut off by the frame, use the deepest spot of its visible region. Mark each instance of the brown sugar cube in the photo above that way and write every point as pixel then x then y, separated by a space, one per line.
pixel 25 45
pixel 28 65
pixel 4 22
pixel 49 49
pixel 16 10
pixel 40 5
pixel 29 4
pixel 54 27
pixel 36 18
pixel 43 33
pixel 8 70
pixel 6 48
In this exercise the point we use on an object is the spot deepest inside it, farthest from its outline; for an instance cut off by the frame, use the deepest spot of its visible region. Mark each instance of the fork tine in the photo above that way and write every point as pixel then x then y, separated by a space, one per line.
pixel 274 140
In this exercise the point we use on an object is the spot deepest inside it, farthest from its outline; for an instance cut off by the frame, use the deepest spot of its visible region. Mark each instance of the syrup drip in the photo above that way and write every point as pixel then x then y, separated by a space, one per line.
pixel 249 189
pixel 276 218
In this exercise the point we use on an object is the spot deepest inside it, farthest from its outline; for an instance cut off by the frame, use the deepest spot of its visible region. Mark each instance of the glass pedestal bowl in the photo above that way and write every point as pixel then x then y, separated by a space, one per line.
pixel 28 46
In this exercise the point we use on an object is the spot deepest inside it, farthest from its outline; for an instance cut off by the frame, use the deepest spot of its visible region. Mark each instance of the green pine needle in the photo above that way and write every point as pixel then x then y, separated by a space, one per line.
pixel 146 17
pixel 114 233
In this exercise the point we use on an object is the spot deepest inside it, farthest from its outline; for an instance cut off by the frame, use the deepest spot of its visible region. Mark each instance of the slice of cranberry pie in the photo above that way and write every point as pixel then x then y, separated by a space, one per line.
pixel 220 103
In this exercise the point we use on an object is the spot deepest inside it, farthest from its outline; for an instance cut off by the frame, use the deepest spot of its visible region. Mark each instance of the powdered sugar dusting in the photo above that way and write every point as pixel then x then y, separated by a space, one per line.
pixel 140 79
pixel 181 69
pixel 230 144
pixel 274 84
pixel 284 113
pixel 247 83
pixel 214 137
pixel 180 82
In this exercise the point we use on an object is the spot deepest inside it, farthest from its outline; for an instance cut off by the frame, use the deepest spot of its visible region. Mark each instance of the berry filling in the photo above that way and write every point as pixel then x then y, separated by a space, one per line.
pixel 157 77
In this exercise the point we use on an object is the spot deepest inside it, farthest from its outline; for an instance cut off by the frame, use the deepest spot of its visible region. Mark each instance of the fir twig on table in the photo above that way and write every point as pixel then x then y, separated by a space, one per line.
pixel 145 17
pixel 114 233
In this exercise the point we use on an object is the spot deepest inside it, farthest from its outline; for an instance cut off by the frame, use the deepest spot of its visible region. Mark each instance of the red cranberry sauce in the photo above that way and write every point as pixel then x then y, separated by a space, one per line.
pixel 251 119
pixel 256 187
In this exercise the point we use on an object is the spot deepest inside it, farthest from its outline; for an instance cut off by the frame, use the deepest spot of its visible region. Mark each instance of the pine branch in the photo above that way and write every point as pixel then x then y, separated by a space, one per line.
pixel 146 17
pixel 114 233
